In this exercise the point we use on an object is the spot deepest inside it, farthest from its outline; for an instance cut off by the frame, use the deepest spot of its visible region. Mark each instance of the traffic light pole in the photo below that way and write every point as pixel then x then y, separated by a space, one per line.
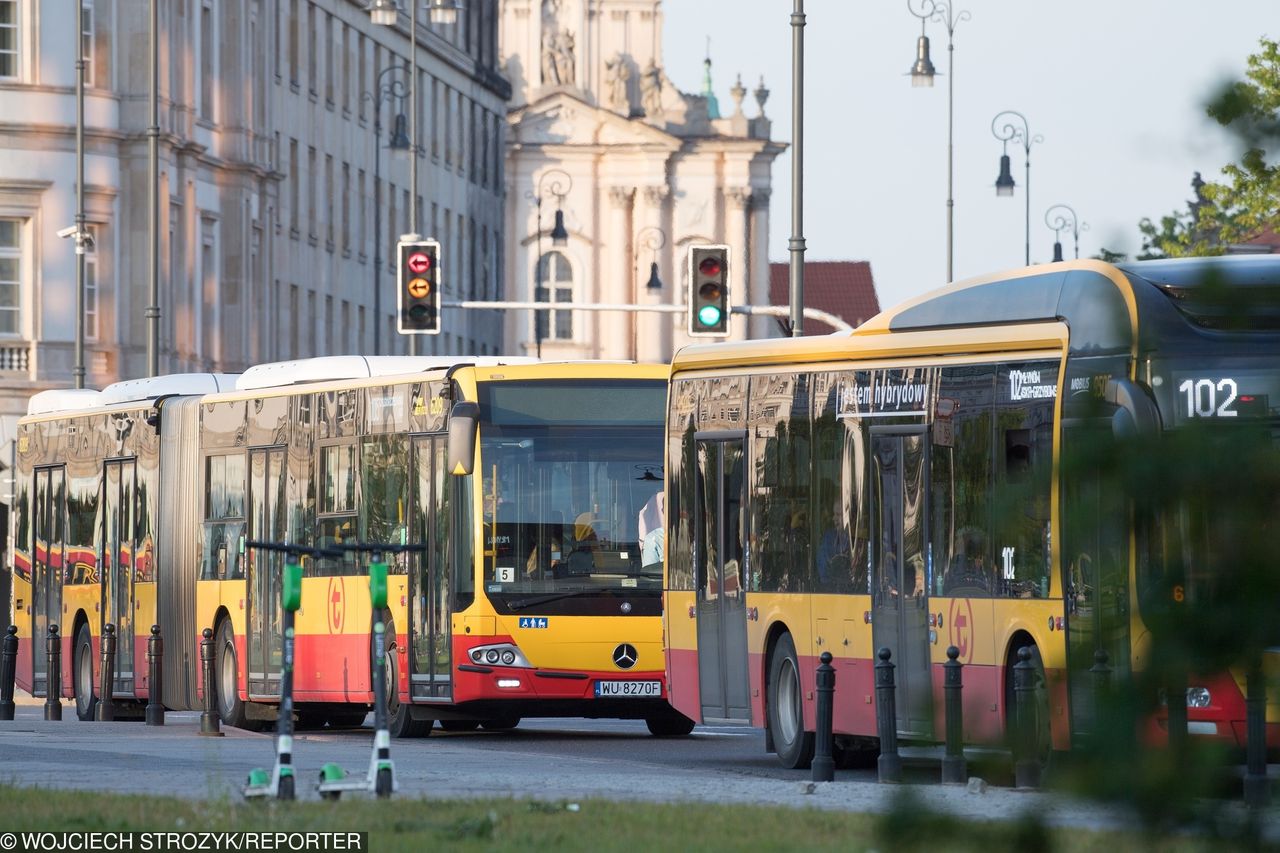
pixel 661 308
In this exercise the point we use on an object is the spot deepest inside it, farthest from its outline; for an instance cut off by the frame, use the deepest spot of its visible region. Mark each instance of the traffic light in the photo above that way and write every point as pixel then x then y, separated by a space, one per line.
pixel 708 296
pixel 418 275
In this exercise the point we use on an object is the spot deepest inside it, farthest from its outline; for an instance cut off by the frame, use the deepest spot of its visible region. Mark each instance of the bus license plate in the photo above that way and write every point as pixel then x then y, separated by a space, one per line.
pixel 628 688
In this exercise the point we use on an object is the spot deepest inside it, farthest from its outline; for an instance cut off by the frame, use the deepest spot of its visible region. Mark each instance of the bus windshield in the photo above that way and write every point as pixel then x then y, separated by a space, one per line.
pixel 572 501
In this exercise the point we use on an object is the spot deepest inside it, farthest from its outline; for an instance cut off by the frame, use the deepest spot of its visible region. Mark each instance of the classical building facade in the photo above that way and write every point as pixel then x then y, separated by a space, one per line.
pixel 277 201
pixel 637 171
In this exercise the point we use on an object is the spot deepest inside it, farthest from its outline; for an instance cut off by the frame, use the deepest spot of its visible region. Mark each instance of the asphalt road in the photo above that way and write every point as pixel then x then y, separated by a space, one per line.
pixel 557 760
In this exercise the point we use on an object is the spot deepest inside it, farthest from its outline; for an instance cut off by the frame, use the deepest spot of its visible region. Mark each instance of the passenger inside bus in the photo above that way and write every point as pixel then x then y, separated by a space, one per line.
pixel 581 559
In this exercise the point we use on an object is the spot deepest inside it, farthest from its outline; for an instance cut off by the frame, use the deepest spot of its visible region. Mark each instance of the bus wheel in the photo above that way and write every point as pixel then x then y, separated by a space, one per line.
pixel 459 725
pixel 230 709
pixel 785 707
pixel 500 724
pixel 1040 707
pixel 400 722
pixel 668 723
pixel 86 699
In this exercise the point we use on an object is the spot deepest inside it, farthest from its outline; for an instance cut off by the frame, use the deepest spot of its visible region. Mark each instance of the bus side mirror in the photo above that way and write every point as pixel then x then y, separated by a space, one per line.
pixel 1136 414
pixel 462 437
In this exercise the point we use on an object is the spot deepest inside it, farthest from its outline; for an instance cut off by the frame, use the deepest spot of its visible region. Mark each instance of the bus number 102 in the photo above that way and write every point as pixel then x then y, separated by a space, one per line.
pixel 1203 395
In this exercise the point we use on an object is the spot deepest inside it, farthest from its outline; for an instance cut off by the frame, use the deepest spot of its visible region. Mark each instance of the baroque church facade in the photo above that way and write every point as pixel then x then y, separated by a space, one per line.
pixel 612 173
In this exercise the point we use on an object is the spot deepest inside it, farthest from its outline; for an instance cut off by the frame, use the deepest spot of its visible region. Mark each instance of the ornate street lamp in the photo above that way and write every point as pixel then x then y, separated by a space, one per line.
pixel 560 186
pixel 1059 218
pixel 1010 126
pixel 384 90
pixel 922 74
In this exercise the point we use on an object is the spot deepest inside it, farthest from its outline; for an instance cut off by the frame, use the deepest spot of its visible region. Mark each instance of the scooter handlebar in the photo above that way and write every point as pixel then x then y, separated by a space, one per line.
pixel 294 549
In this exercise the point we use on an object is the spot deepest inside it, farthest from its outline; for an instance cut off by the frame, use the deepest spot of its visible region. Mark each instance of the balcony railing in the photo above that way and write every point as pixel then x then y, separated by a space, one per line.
pixel 15 358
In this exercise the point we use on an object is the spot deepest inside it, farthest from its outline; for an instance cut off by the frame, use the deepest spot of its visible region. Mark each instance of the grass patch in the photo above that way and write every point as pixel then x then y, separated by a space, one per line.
pixel 421 824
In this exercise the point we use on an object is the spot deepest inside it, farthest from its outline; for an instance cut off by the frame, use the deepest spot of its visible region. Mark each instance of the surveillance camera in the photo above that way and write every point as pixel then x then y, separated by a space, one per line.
pixel 69 231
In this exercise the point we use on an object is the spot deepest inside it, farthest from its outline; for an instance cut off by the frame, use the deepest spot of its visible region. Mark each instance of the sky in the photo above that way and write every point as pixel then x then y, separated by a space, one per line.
pixel 1116 88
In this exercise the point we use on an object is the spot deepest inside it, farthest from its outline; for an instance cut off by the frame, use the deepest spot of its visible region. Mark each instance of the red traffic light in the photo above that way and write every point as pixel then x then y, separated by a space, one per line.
pixel 418 262
pixel 710 267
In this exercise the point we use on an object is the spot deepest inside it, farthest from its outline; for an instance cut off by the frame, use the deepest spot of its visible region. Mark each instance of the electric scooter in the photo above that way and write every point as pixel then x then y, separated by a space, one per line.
pixel 381 777
pixel 280 782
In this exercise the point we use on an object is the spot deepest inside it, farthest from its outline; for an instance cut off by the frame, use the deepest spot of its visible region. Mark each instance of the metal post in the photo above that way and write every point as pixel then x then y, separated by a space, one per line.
pixel 53 684
pixel 155 682
pixel 1257 789
pixel 78 371
pixel 413 134
pixel 153 180
pixel 824 768
pixel 953 762
pixel 209 725
pixel 377 220
pixel 8 670
pixel 889 765
pixel 1028 201
pixel 796 244
pixel 1026 770
pixel 537 280
pixel 106 711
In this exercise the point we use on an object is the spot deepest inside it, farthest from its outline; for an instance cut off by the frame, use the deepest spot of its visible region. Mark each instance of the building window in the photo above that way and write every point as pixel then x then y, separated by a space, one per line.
pixel 364 214
pixel 294 177
pixel 311 47
pixel 86 39
pixel 556 285
pixel 346 207
pixel 8 38
pixel 435 119
pixel 10 274
pixel 311 191
pixel 295 22
pixel 363 74
pixel 327 38
pixel 346 69
pixel 328 188
pixel 91 328
pixel 294 316
pixel 208 60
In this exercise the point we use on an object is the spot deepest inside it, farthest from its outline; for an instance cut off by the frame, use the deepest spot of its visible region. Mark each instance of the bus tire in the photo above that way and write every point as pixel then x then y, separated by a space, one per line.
pixel 785 701
pixel 400 722
pixel 86 699
pixel 668 723
pixel 231 709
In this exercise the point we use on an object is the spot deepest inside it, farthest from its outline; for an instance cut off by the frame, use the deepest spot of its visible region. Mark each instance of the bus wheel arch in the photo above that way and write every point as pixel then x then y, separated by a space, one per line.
pixel 784 705
pixel 226 667
pixel 776 630
pixel 82 666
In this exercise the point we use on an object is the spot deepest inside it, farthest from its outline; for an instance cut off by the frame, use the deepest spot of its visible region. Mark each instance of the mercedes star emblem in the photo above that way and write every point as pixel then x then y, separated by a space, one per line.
pixel 624 656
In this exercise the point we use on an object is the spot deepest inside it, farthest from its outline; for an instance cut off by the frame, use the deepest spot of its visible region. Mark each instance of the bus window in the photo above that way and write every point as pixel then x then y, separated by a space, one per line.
pixel 1025 395
pixel 840 529
pixel 681 471
pixel 781 477
pixel 384 490
pixel 961 482
pixel 224 518
pixel 336 507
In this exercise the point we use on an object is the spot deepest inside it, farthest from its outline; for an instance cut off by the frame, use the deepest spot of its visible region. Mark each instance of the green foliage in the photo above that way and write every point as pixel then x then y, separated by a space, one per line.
pixel 1247 201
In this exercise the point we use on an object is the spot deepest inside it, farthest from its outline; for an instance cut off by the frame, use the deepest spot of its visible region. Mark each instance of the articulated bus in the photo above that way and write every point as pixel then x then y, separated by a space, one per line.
pixel 899 486
pixel 533 488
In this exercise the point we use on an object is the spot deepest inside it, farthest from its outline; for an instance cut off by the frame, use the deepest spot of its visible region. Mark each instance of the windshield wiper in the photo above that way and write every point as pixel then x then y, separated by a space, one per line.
pixel 556 596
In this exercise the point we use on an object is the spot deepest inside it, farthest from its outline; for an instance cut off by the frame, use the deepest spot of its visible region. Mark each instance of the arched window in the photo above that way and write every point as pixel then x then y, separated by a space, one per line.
pixel 554 284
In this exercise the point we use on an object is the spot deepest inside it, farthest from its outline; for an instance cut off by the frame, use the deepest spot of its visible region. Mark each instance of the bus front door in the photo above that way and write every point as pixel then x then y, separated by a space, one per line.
pixel 265 570
pixel 430 631
pixel 119 549
pixel 47 565
pixel 899 618
pixel 719 563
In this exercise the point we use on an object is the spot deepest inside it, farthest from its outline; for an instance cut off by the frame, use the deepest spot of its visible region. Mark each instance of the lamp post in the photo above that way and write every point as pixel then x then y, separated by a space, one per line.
pixel 153 203
pixel 650 238
pixel 81 236
pixel 560 186
pixel 384 90
pixel 922 74
pixel 1021 134
pixel 386 13
pixel 795 246
pixel 1059 218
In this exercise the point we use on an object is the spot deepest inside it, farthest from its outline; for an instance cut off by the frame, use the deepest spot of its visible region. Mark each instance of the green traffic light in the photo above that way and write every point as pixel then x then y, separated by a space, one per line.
pixel 709 315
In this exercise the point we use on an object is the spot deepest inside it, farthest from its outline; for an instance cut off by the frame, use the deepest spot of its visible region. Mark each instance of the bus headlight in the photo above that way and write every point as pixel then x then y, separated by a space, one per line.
pixel 506 654
pixel 1198 697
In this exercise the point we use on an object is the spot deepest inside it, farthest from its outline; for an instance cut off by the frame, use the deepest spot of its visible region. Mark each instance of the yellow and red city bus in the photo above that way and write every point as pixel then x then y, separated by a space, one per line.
pixel 527 482
pixel 899 486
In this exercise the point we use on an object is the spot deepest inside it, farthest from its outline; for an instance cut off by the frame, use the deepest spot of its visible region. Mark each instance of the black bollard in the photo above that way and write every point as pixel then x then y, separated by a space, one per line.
pixel 1026 770
pixel 155 656
pixel 106 706
pixel 1257 790
pixel 8 670
pixel 953 763
pixel 53 690
pixel 824 768
pixel 889 765
pixel 209 725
